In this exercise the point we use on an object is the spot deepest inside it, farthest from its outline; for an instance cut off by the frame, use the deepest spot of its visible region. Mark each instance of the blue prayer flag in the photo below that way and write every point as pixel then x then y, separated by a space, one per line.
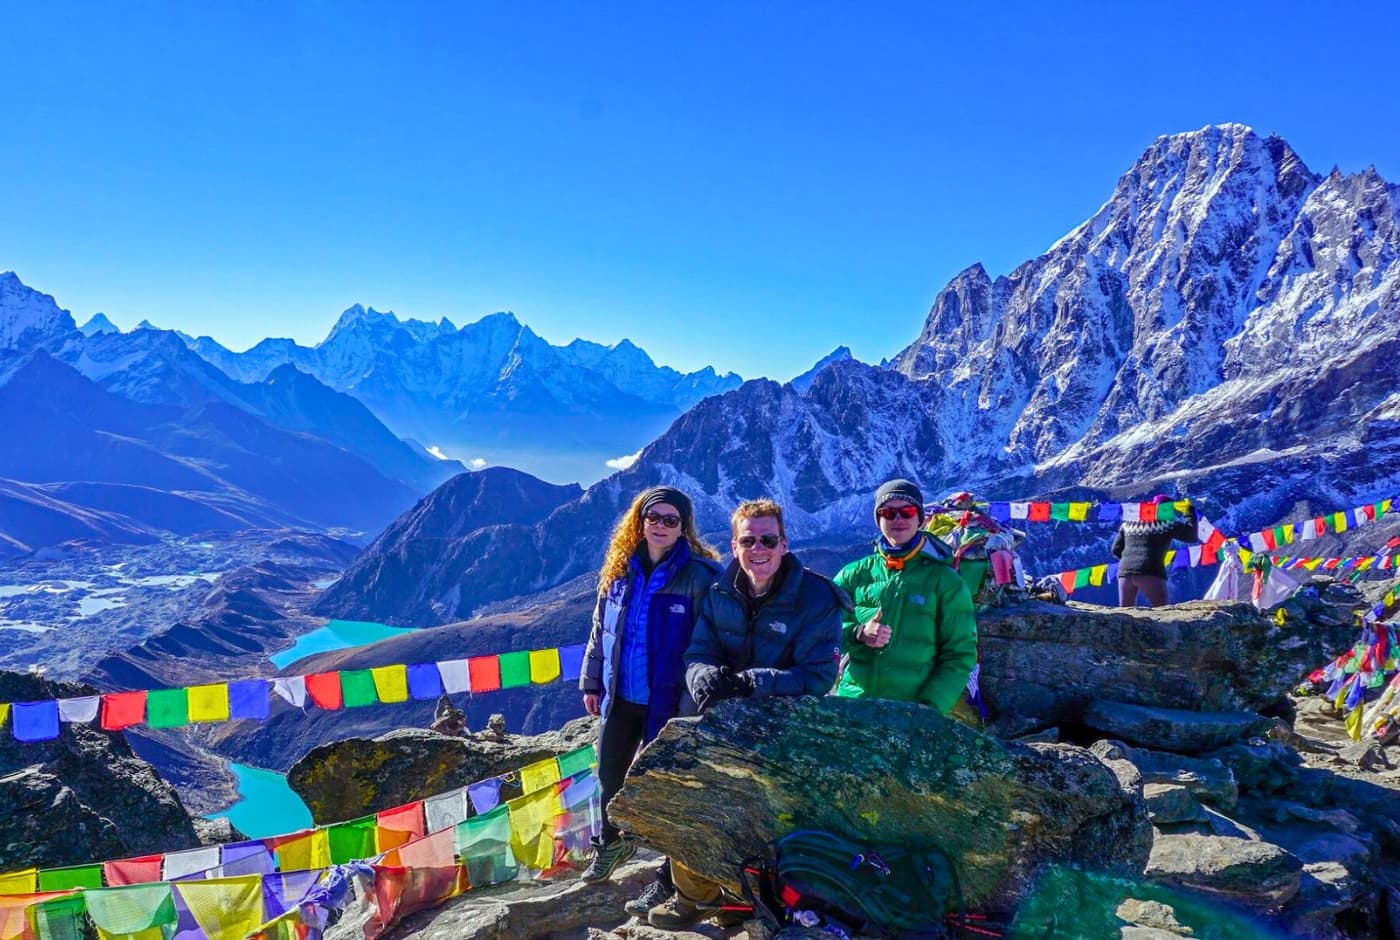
pixel 486 795
pixel 1110 512
pixel 1112 574
pixel 247 698
pixel 35 721
pixel 570 662
pixel 424 681
pixel 1182 559
pixel 1001 512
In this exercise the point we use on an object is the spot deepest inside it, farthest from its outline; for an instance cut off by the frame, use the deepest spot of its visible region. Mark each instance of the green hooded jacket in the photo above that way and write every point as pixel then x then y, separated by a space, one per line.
pixel 933 630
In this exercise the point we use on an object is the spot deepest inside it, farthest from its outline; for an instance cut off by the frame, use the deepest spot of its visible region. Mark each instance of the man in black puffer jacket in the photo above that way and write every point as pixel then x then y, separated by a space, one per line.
pixel 768 626
pixel 1141 550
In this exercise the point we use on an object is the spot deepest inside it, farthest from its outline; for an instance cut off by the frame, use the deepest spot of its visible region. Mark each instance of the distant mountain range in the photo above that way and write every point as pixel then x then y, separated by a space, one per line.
pixel 1226 327
pixel 490 390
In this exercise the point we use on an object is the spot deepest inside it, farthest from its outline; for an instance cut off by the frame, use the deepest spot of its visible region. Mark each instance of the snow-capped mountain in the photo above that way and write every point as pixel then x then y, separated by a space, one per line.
pixel 29 317
pixel 1226 325
pixel 804 381
pixel 98 323
pixel 491 388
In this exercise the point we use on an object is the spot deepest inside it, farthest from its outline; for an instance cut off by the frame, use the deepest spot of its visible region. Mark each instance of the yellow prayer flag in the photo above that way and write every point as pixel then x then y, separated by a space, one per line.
pixel 539 775
pixel 1097 574
pixel 1245 556
pixel 4 711
pixel 1385 505
pixel 1183 506
pixel 20 882
pixel 1288 530
pixel 532 827
pixel 224 908
pixel 1078 512
pixel 544 666
pixel 391 683
pixel 208 702
pixel 312 850
pixel 1171 553
pixel 1365 563
pixel 1312 563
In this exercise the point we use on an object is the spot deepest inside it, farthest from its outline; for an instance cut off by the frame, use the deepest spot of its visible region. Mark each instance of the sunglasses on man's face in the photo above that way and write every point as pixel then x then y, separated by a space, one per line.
pixel 897 512
pixel 670 520
pixel 768 541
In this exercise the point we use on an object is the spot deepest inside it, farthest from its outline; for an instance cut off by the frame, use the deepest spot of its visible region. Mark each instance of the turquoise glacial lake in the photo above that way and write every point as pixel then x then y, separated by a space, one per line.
pixel 335 635
pixel 266 805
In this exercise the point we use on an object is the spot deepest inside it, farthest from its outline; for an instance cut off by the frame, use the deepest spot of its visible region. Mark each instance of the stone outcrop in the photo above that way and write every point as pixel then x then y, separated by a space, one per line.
pixel 81 797
pixel 713 789
pixel 359 776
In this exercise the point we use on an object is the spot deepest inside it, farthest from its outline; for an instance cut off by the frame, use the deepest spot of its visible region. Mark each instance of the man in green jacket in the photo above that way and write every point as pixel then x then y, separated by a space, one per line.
pixel 913 633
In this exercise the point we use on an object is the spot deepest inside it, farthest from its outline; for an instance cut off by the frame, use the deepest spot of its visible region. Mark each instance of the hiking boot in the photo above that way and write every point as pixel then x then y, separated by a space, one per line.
pixel 606 859
pixel 652 895
pixel 675 913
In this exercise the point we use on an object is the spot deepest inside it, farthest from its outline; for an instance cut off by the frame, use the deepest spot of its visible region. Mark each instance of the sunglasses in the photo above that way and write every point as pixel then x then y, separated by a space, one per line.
pixel 897 512
pixel 670 520
pixel 768 541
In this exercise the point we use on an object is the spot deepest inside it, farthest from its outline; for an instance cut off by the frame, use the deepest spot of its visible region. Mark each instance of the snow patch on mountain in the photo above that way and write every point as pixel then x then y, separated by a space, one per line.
pixel 29 318
pixel 99 324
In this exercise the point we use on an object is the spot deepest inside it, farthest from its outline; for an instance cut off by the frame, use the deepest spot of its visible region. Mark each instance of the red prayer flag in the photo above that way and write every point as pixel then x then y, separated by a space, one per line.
pixel 1370 512
pixel 324 689
pixel 1147 512
pixel 400 825
pixel 1067 580
pixel 1332 563
pixel 1039 512
pixel 1269 541
pixel 1208 553
pixel 1320 525
pixel 132 871
pixel 485 673
pixel 122 710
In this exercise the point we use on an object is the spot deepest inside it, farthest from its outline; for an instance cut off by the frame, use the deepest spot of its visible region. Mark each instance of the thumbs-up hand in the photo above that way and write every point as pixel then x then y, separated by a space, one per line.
pixel 873 633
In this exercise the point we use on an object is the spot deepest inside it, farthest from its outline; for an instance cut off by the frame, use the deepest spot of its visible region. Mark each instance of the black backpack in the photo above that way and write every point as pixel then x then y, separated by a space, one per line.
pixel 881 890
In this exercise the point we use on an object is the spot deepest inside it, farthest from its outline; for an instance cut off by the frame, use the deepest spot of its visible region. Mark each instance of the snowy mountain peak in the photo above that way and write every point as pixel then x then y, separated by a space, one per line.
pixel 27 317
pixel 99 324
pixel 146 325
pixel 804 381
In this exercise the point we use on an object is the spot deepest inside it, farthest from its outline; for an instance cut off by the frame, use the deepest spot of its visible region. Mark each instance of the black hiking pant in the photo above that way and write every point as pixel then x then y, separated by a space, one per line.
pixel 619 739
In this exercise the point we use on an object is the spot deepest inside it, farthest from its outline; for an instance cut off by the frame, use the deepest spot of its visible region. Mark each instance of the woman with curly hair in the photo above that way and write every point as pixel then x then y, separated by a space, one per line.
pixel 654 574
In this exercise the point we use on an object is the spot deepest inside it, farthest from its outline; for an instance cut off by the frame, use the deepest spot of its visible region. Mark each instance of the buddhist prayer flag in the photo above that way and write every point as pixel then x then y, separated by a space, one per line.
pixel 544 666
pixel 357 688
pixel 58 919
pixel 1147 512
pixel 78 710
pixel 324 689
pixel 570 662
pixel 483 842
pixel 189 862
pixel 515 669
pixel 400 824
pixel 4 711
pixel 539 775
pixel 209 702
pixel 532 827
pixel 353 840
pixel 133 871
pixel 1165 512
pixel 424 682
pixel 14 915
pixel 243 858
pixel 1020 510
pixel 35 721
pixel 1081 578
pixel 435 851
pixel 1132 512
pixel 224 908
pixel 446 811
pixel 390 683
pixel 1001 512
pixel 456 677
pixel 20 882
pixel 292 689
pixel 577 761
pixel 118 913
pixel 1096 575
pixel 485 673
pixel 1059 512
pixel 167 708
pixel 1039 512
pixel 1078 512
pixel 283 890
pixel 486 795
pixel 303 850
pixel 247 698
pixel 76 876
pixel 1110 512
pixel 1067 579
pixel 1339 522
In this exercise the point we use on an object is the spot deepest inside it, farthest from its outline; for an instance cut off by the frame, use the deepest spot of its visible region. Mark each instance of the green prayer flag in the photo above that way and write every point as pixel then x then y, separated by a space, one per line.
pixel 1081 577
pixel 353 840
pixel 167 708
pixel 58 919
pixel 131 909
pixel 1280 537
pixel 357 688
pixel 575 761
pixel 1059 511
pixel 483 843
pixel 77 876
pixel 1166 512
pixel 515 669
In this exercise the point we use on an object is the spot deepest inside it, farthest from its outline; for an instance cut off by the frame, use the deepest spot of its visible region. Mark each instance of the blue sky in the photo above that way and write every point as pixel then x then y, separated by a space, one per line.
pixel 723 185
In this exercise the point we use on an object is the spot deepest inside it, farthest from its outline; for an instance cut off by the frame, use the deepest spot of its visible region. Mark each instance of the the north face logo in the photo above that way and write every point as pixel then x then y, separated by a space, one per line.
pixel 677 608
pixel 777 626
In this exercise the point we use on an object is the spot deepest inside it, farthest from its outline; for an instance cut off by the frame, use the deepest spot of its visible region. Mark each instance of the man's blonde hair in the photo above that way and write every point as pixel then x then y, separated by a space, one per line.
pixel 756 509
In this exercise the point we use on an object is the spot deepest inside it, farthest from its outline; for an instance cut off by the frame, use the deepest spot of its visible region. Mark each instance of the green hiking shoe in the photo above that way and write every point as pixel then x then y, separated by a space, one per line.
pixel 606 859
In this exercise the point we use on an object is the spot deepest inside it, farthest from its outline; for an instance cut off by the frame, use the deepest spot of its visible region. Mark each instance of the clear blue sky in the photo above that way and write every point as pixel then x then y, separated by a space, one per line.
pixel 724 185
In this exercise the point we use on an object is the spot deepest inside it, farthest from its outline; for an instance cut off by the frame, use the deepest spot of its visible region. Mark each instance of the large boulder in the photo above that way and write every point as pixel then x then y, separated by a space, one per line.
pixel 358 776
pixel 1239 870
pixel 83 795
pixel 1051 662
pixel 1173 729
pixel 714 789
